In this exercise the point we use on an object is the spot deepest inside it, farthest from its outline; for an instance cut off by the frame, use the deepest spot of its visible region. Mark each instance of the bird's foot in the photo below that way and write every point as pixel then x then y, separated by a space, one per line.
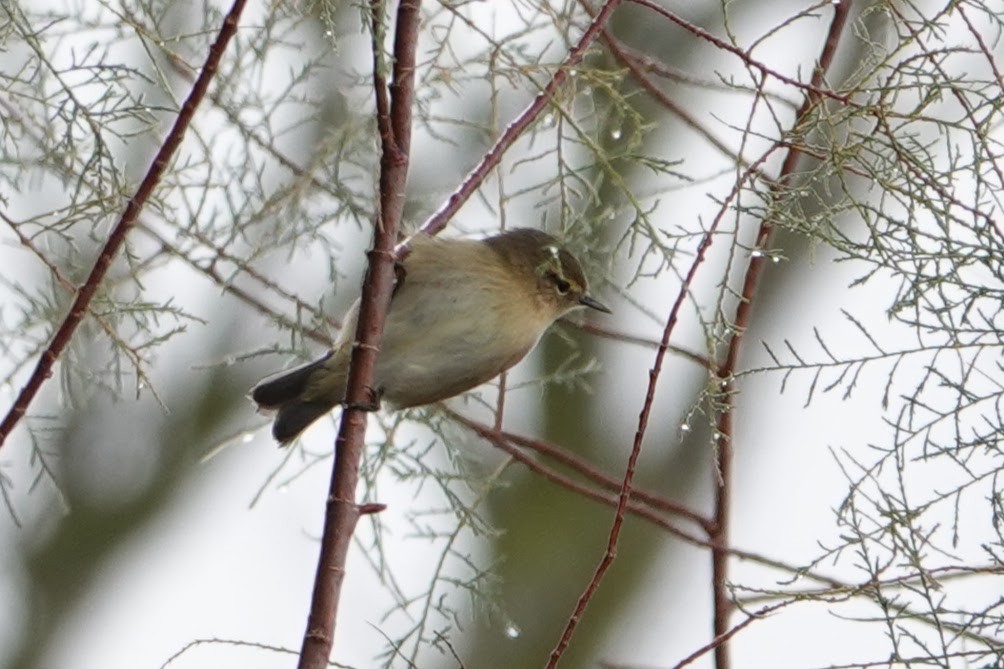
pixel 372 404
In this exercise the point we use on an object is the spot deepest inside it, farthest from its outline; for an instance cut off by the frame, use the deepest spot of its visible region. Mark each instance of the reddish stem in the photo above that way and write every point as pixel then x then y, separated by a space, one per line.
pixel 814 90
pixel 342 513
pixel 61 339
pixel 723 493
pixel 653 378
pixel 497 435
pixel 515 130
pixel 720 640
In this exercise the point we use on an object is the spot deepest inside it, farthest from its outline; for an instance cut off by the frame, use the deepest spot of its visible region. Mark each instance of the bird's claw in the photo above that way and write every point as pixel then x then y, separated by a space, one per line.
pixel 373 404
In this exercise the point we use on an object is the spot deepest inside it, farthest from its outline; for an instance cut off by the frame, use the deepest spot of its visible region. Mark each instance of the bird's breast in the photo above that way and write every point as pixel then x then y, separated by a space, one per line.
pixel 449 332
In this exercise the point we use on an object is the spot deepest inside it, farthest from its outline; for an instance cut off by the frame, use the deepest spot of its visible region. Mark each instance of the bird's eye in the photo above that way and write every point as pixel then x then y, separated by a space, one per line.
pixel 562 285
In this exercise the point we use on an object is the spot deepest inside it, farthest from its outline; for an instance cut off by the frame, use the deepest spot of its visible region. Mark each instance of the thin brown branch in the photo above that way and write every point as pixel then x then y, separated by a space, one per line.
pixel 515 130
pixel 626 485
pixel 814 90
pixel 723 491
pixel 723 638
pixel 608 333
pixel 245 296
pixel 342 513
pixel 580 465
pixel 505 443
pixel 79 308
pixel 646 510
pixel 678 110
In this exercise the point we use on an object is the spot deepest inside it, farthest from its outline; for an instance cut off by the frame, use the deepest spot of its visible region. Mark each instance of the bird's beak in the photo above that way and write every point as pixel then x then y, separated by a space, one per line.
pixel 593 303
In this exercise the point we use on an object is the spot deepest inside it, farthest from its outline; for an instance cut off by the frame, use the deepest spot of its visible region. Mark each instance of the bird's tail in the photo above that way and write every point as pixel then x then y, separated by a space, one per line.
pixel 285 394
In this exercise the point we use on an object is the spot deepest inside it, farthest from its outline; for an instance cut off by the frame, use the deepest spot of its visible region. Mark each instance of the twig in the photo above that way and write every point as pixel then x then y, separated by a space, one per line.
pixel 246 296
pixel 653 378
pixel 677 109
pixel 515 130
pixel 496 434
pixel 642 507
pixel 79 308
pixel 814 89
pixel 722 638
pixel 608 333
pixel 342 513
pixel 723 491
pixel 194 643
pixel 636 508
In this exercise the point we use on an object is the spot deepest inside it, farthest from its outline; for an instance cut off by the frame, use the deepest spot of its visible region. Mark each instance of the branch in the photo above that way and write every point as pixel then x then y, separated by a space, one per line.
pixel 624 497
pixel 609 333
pixel 514 130
pixel 676 108
pixel 814 90
pixel 249 297
pixel 499 437
pixel 645 506
pixel 79 308
pixel 723 638
pixel 342 513
pixel 723 491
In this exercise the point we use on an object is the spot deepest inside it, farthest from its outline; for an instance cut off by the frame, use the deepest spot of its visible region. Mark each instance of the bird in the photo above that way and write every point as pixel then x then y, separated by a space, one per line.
pixel 462 312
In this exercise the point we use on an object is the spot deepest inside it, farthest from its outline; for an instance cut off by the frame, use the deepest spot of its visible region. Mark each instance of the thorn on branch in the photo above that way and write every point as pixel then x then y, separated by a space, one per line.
pixel 371 507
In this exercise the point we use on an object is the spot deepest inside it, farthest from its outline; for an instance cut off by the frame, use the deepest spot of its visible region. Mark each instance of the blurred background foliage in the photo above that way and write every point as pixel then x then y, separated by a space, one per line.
pixel 252 248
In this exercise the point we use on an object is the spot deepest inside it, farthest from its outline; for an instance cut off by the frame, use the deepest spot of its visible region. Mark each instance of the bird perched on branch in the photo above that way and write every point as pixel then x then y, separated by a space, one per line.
pixel 463 312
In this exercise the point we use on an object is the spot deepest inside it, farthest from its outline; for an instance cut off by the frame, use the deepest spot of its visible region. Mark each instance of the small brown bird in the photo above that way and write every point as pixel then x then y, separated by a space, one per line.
pixel 463 312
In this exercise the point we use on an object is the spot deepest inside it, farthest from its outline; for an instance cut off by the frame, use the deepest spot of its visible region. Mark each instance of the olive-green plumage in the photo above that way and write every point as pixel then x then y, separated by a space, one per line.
pixel 462 313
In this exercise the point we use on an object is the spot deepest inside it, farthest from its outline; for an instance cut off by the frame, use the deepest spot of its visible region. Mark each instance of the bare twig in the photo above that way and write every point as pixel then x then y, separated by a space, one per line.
pixel 723 491
pixel 653 378
pixel 577 463
pixel 342 512
pixel 814 89
pixel 608 333
pixel 246 296
pixel 647 507
pixel 515 130
pixel 79 308
pixel 722 638
pixel 639 509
